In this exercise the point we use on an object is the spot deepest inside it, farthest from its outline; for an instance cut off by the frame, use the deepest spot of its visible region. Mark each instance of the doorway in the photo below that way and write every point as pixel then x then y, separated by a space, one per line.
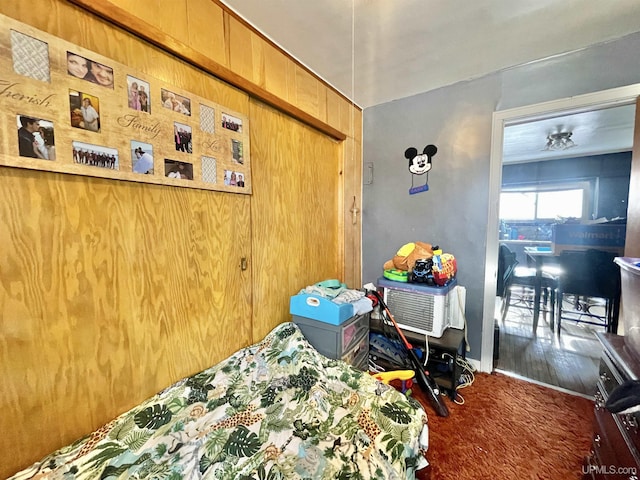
pixel 584 103
pixel 543 183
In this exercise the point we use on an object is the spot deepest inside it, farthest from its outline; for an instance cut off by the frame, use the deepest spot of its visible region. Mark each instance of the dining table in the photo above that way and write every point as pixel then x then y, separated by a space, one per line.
pixel 582 273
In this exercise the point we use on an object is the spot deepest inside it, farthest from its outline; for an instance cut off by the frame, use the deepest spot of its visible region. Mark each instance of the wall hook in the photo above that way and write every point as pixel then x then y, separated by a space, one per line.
pixel 354 211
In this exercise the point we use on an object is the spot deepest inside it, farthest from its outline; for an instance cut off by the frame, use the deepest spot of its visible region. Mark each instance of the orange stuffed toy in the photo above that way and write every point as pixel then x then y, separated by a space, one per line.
pixel 406 256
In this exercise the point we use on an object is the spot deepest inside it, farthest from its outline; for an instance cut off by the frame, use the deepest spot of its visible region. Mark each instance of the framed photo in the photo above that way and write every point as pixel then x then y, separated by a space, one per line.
pixel 175 102
pixel 35 138
pixel 95 155
pixel 84 110
pixel 78 112
pixel 178 169
pixel 89 70
pixel 182 137
pixel 138 94
pixel 141 157
pixel 236 151
pixel 233 178
pixel 232 123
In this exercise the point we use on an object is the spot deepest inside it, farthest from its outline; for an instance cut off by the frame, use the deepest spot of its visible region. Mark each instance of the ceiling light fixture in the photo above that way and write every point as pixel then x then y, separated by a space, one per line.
pixel 559 141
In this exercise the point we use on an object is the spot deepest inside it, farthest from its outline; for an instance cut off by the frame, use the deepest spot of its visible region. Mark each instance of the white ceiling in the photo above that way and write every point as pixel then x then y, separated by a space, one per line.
pixel 594 133
pixel 376 51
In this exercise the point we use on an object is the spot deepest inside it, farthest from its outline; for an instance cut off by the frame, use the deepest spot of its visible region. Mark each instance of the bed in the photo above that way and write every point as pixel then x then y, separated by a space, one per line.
pixel 274 410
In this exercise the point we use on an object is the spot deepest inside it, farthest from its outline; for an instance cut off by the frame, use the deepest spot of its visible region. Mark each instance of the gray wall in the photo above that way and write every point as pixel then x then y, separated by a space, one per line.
pixel 609 175
pixel 458 119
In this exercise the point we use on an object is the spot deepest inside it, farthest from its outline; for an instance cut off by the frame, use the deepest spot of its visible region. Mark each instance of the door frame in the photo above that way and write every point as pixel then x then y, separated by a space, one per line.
pixel 582 103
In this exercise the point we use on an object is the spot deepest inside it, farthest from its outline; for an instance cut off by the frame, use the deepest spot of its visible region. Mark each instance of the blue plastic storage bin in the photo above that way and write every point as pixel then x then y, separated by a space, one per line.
pixel 320 308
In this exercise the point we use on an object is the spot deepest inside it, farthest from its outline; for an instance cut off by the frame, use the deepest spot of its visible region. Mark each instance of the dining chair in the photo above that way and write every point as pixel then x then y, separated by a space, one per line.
pixel 588 276
pixel 507 262
pixel 519 290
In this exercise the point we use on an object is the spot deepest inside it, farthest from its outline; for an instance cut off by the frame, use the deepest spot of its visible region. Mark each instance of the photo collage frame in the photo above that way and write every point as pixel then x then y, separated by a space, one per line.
pixel 74 111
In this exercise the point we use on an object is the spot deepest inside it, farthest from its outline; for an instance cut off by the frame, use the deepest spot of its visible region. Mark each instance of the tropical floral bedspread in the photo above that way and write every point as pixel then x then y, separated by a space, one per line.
pixel 275 410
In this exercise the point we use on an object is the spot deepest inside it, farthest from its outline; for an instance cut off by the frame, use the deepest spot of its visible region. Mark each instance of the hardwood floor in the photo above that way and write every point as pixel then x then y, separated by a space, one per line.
pixel 569 361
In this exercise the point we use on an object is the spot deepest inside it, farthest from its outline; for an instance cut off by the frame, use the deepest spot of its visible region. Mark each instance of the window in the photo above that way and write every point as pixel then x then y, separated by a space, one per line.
pixel 518 205
pixel 543 204
pixel 563 203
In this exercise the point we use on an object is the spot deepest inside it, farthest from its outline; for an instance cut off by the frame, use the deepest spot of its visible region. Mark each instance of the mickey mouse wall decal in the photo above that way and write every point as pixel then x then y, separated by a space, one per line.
pixel 419 164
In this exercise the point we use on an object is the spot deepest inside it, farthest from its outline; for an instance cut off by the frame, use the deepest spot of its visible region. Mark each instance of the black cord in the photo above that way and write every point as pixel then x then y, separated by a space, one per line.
pixel 389 330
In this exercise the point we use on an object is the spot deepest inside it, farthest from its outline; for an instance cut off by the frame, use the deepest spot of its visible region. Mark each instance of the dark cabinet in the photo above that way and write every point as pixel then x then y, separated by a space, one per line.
pixel 616 438
pixel 445 355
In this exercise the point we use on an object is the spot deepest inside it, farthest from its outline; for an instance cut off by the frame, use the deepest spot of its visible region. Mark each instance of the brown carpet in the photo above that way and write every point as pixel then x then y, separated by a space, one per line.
pixel 509 429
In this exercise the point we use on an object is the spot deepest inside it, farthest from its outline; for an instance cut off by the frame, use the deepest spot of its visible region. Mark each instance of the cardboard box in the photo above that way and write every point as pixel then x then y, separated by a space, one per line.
pixel 577 237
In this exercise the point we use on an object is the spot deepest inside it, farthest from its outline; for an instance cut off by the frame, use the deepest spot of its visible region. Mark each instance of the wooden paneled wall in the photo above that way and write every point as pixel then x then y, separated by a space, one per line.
pixel 240 55
pixel 294 212
pixel 109 291
pixel 112 290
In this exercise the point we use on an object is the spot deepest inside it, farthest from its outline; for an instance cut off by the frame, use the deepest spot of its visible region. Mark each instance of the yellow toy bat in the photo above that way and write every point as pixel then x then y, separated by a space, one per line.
pixel 406 376
pixel 386 377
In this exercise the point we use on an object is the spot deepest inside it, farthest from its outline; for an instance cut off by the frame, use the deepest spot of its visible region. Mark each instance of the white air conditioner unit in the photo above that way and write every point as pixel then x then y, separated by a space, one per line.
pixel 456 307
pixel 423 309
